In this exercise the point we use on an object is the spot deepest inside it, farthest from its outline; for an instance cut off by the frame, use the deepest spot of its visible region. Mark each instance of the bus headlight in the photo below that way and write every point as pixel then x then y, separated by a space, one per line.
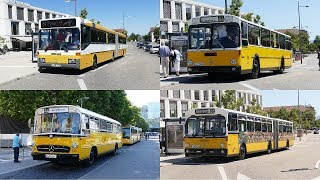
pixel 222 145
pixel 74 145
pixel 72 61
pixel 233 61
pixel 190 63
pixel 42 60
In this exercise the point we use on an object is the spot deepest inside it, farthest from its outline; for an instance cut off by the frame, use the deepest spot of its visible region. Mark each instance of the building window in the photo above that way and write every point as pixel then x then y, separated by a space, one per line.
pixel 184 108
pixel 162 112
pixel 164 26
pixel 14 28
pixel 197 11
pixel 39 15
pixel 173 109
pixel 47 16
pixel 176 93
pixel 178 11
pixel 164 93
pixel 10 12
pixel 175 27
pixel 239 95
pixel 212 105
pixel 203 105
pixel 167 9
pixel 214 98
pixel 197 95
pixel 28 29
pixel 187 94
pixel 206 11
pixel 205 96
pixel 30 15
pixel 54 15
pixel 188 12
pixel 20 13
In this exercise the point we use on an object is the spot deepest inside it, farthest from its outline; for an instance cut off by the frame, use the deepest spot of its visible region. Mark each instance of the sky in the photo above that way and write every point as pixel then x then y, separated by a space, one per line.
pixel 143 97
pixel 285 98
pixel 281 14
pixel 140 15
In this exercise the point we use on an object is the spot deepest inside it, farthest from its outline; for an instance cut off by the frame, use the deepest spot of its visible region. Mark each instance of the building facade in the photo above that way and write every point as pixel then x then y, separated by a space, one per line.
pixel 174 103
pixel 175 14
pixel 18 20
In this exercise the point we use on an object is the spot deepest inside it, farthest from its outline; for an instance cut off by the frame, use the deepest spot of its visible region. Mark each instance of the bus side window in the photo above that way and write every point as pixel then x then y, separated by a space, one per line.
pixel 232 122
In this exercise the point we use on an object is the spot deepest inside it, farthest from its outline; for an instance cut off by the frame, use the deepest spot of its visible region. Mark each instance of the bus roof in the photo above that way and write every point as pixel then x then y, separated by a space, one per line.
pixel 86 111
pixel 237 17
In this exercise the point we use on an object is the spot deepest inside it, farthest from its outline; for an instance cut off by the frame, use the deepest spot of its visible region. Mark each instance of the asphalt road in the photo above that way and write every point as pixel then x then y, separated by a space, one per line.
pixel 139 161
pixel 302 161
pixel 138 70
pixel 300 76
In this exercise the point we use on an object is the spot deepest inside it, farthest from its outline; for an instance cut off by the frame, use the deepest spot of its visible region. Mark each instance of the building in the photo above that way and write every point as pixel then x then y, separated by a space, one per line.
pixel 174 103
pixel 18 20
pixel 175 14
pixel 144 112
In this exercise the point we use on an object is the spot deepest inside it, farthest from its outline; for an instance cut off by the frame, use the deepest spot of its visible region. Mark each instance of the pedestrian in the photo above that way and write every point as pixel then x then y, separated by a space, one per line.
pixel 319 59
pixel 16 143
pixel 176 56
pixel 164 52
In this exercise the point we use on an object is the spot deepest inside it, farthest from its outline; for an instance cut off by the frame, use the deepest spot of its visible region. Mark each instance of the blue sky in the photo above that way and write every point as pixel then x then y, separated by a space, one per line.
pixel 284 98
pixel 140 14
pixel 281 14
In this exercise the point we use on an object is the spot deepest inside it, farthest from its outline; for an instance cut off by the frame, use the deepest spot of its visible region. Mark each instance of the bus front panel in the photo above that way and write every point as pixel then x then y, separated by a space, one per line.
pixel 206 146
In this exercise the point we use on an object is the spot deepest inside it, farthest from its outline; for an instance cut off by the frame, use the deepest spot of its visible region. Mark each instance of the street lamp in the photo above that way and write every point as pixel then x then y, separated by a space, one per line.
pixel 81 100
pixel 226 6
pixel 299 39
pixel 75 6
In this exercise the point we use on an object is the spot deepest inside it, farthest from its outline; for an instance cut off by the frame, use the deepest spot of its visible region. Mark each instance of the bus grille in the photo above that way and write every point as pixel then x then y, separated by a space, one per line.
pixel 53 148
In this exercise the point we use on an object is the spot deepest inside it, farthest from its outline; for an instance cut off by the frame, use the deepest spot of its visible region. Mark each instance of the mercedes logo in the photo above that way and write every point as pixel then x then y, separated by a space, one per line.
pixel 51 148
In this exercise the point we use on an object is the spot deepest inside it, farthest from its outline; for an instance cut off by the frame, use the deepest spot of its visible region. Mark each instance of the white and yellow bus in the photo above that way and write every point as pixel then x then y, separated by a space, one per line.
pixel 230 44
pixel 67 134
pixel 75 43
pixel 228 133
pixel 131 135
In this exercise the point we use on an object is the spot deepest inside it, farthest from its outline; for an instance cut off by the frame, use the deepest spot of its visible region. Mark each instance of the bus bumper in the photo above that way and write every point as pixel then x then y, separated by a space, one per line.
pixel 206 152
pixel 63 158
pixel 75 65
pixel 212 69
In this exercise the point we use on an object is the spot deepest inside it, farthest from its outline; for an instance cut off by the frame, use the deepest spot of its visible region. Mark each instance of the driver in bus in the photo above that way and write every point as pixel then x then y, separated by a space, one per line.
pixel 231 40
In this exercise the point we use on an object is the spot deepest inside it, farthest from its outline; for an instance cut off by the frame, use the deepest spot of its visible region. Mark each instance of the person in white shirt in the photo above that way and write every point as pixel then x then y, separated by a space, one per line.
pixel 176 56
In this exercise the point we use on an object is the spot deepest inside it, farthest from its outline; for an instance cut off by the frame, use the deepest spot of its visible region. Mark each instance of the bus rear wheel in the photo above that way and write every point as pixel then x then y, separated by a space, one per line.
pixel 282 68
pixel 92 157
pixel 242 153
pixel 255 69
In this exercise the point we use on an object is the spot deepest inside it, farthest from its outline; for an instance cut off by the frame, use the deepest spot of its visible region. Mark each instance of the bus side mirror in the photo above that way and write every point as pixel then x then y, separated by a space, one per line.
pixel 245 43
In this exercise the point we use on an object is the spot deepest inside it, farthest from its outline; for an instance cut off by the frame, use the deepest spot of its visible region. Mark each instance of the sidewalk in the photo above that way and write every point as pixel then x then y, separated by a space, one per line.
pixel 304 138
pixel 16 65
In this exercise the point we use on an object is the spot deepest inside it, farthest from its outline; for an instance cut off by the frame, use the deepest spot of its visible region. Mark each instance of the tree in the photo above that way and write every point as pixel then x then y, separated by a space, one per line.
pixel 255 108
pixel 316 42
pixel 147 37
pixel 295 40
pixel 84 13
pixel 256 19
pixel 156 33
pixel 229 101
pixel 235 7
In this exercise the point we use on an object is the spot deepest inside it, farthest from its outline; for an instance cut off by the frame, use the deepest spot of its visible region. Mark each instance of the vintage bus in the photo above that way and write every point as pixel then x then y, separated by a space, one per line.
pixel 75 43
pixel 67 134
pixel 230 44
pixel 228 133
pixel 131 135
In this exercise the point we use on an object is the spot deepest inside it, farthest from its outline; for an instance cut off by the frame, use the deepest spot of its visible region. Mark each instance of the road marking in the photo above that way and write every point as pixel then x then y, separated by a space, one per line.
pixel 82 84
pixel 317 164
pixel 82 75
pixel 248 86
pixel 222 172
pixel 317 178
pixel 242 177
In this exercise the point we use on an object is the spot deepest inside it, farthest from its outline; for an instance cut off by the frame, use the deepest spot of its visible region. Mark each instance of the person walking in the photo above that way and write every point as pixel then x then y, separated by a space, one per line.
pixel 176 56
pixel 319 59
pixel 164 52
pixel 16 146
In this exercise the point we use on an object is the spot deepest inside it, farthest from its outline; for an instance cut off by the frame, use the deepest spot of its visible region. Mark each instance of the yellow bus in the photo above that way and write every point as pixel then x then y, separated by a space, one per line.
pixel 230 44
pixel 75 43
pixel 131 135
pixel 67 134
pixel 228 133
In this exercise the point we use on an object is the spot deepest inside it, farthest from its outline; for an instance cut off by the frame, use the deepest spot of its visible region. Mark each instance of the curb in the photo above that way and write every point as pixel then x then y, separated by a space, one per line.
pixel 165 164
pixel 18 78
pixel 22 168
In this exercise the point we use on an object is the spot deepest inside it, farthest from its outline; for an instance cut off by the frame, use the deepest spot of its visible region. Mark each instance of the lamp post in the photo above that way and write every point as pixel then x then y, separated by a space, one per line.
pixel 75 6
pixel 226 6
pixel 299 39
pixel 81 100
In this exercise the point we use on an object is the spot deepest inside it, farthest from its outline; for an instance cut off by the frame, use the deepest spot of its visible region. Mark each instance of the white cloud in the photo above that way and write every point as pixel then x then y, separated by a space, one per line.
pixel 143 97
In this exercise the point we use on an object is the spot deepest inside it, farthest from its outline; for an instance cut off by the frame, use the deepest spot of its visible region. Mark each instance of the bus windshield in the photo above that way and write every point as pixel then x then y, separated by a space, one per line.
pixel 209 126
pixel 126 133
pixel 216 36
pixel 65 122
pixel 59 39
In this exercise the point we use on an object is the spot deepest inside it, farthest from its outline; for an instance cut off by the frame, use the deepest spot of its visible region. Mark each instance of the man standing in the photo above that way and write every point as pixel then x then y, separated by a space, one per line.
pixel 177 58
pixel 16 145
pixel 164 55
pixel 319 59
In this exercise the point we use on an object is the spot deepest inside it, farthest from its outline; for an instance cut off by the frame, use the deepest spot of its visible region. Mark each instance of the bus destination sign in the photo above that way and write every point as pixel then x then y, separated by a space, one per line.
pixel 55 110
pixel 58 23
pixel 212 19
pixel 205 111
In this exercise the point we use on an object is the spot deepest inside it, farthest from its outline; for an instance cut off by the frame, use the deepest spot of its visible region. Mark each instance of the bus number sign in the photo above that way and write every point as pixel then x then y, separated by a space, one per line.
pixel 55 110
pixel 205 111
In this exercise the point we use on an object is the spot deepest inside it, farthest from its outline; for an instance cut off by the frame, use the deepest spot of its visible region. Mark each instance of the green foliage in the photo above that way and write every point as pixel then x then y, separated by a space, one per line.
pixel 147 37
pixel 157 33
pixel 21 105
pixel 84 13
pixel 317 123
pixel 229 101
pixel 134 37
pixel 255 108
pixel 256 19
pixel 295 41
pixel 235 7
pixel 316 43
pixel 186 27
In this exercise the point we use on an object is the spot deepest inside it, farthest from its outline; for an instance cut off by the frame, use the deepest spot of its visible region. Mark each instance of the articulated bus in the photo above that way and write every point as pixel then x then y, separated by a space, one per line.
pixel 68 134
pixel 230 44
pixel 75 43
pixel 228 133
pixel 131 135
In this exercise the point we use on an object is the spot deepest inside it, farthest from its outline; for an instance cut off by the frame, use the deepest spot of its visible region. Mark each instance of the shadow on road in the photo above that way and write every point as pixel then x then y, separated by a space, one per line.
pixel 299 169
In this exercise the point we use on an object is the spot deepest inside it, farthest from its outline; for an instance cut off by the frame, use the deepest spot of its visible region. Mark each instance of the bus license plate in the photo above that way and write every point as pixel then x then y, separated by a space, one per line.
pixel 51 156
pixel 195 146
pixel 55 65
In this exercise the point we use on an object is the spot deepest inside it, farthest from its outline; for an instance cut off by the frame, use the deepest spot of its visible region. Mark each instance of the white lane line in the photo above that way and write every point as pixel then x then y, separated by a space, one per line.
pixel 222 172
pixel 248 86
pixel 242 177
pixel 82 84
pixel 82 75
pixel 317 164
pixel 130 53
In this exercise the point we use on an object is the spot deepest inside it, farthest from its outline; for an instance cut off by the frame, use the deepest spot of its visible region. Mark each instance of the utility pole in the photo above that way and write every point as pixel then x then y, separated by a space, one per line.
pixel 226 6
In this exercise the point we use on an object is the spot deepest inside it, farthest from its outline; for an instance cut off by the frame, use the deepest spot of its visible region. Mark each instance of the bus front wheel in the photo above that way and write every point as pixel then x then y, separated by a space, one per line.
pixel 269 148
pixel 92 157
pixel 255 69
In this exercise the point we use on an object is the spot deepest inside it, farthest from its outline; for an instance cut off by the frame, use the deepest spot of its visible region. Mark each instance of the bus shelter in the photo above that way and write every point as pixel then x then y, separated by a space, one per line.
pixel 180 42
pixel 174 134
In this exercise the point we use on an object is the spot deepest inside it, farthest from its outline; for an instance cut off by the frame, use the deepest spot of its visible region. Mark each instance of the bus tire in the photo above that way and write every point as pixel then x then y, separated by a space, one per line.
pixel 242 152
pixel 91 158
pixel 269 150
pixel 186 155
pixel 282 68
pixel 255 68
pixel 114 152
pixel 94 62
pixel 287 145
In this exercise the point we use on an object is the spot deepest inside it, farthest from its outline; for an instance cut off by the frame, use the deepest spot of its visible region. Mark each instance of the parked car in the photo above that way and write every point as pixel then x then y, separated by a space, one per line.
pixel 154 49
pixel 316 131
pixel 138 44
pixel 147 48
